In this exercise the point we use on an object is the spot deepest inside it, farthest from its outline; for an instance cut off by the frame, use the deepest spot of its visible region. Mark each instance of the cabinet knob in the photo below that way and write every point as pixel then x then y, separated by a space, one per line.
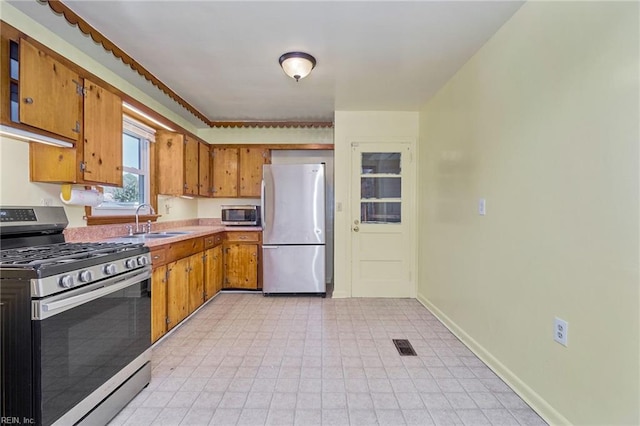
pixel 28 100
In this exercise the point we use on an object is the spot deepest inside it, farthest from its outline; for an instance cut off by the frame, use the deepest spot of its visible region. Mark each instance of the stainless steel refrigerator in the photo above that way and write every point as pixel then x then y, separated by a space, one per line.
pixel 293 234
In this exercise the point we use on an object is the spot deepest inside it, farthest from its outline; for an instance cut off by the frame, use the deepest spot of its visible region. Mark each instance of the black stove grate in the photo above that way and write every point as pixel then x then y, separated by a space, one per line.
pixel 61 253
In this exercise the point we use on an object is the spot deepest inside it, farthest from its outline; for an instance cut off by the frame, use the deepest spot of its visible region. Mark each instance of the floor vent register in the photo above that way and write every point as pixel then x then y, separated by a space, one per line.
pixel 404 347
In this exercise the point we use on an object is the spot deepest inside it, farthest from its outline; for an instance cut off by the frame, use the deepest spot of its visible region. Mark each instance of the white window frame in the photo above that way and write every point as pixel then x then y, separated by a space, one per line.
pixel 146 135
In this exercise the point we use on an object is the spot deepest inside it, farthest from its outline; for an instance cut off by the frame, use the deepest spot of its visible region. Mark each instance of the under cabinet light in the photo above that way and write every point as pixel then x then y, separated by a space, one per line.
pixel 146 116
pixel 24 135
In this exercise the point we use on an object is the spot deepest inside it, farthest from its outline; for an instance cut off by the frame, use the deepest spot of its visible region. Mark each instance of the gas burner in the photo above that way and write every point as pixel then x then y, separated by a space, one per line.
pixel 61 253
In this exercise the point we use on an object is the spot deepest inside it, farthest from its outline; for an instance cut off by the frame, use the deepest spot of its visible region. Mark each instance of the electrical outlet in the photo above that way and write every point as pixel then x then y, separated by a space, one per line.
pixel 560 331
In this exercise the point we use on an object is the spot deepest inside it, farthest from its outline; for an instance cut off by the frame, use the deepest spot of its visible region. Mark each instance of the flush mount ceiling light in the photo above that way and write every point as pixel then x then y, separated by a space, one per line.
pixel 297 65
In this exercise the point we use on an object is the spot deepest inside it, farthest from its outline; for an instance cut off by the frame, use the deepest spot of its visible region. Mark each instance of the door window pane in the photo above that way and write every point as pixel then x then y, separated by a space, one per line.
pixel 387 212
pixel 380 187
pixel 381 162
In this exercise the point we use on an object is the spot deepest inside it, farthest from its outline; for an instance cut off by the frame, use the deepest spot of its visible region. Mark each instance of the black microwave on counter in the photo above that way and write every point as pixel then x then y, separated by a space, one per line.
pixel 241 215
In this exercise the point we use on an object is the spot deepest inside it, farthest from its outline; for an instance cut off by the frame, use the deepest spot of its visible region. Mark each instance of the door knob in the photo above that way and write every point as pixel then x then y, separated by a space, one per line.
pixel 356 229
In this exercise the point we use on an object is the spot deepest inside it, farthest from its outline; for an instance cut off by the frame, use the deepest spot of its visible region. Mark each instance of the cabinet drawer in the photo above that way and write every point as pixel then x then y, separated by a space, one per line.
pixel 242 237
pixel 213 240
pixel 183 249
pixel 158 257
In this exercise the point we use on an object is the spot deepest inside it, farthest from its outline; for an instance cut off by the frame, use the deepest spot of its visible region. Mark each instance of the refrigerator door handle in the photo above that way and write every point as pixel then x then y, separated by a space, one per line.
pixel 264 210
pixel 270 247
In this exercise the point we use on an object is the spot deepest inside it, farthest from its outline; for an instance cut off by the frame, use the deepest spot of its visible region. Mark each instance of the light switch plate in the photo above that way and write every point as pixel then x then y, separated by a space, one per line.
pixel 482 207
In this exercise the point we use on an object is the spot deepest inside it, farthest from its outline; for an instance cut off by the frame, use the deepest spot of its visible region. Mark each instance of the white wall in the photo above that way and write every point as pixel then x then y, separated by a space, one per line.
pixel 15 187
pixel 210 207
pixel 543 123
pixel 359 126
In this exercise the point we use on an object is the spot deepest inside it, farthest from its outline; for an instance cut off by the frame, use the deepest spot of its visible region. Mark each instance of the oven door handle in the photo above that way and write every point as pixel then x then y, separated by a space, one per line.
pixel 42 309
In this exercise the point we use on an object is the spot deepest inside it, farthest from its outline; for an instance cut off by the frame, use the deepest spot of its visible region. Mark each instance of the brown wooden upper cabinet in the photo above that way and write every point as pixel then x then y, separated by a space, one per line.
pixel 98 159
pixel 102 135
pixel 250 172
pixel 224 168
pixel 50 93
pixel 237 172
pixel 191 163
pixel 204 168
pixel 179 164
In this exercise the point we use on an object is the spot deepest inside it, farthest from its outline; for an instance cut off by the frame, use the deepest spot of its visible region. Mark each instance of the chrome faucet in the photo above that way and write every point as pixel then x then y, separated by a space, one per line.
pixel 137 214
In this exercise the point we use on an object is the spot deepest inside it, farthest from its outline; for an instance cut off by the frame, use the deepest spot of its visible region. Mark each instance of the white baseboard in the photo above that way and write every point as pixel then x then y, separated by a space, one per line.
pixel 535 401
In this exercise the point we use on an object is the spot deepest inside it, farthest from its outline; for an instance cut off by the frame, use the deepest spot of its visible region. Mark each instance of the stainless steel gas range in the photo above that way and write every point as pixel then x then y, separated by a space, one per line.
pixel 75 321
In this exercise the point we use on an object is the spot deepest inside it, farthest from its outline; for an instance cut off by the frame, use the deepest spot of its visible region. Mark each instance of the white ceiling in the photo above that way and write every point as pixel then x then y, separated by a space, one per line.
pixel 222 56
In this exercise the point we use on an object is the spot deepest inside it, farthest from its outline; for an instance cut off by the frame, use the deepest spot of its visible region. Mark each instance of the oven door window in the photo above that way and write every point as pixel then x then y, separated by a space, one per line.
pixel 81 348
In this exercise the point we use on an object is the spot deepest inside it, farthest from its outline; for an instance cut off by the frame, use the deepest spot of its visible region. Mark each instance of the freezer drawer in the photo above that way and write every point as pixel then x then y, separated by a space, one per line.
pixel 293 269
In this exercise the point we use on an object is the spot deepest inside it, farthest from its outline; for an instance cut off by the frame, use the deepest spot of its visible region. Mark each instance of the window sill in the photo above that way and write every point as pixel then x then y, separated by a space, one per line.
pixel 110 220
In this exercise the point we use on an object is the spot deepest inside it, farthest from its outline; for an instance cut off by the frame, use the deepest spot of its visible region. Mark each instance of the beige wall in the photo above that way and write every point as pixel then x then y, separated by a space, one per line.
pixel 543 123
pixel 359 126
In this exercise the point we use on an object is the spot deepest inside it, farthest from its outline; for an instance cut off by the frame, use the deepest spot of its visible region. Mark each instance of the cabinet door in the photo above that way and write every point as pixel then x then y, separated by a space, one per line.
pixel 178 291
pixel 196 281
pixel 52 164
pixel 204 184
pixel 251 161
pixel 213 272
pixel 218 262
pixel 170 163
pixel 49 98
pixel 240 266
pixel 158 303
pixel 191 151
pixel 225 172
pixel 102 135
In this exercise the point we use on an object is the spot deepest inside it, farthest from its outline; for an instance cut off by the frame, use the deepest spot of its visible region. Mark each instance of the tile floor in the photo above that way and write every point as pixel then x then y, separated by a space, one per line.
pixel 244 359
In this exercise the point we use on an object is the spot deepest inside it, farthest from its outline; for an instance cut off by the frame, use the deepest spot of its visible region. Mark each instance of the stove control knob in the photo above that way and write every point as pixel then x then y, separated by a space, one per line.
pixel 110 269
pixel 142 261
pixel 66 281
pixel 85 276
pixel 131 263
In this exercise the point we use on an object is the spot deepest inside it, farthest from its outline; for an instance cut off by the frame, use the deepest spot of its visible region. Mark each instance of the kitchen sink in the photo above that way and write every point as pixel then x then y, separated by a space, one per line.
pixel 160 234
pixel 144 236
pixel 140 238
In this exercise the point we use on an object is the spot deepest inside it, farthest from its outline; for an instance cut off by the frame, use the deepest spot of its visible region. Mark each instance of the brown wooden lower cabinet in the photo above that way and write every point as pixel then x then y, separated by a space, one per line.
pixel 242 259
pixel 213 272
pixel 190 272
pixel 158 302
pixel 241 266
pixel 177 292
pixel 196 281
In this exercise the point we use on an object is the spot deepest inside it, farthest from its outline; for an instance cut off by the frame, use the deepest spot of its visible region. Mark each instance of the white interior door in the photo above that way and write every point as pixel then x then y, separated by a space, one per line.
pixel 383 220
